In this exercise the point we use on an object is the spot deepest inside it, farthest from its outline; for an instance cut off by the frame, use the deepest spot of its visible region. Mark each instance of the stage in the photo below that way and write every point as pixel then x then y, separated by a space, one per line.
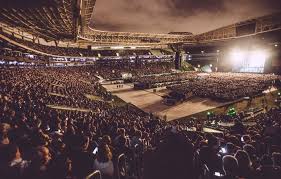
pixel 150 101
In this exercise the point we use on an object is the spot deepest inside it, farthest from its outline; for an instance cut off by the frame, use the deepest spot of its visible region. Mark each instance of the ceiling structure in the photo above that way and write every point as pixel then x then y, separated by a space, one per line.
pixel 90 33
pixel 70 21
pixel 55 20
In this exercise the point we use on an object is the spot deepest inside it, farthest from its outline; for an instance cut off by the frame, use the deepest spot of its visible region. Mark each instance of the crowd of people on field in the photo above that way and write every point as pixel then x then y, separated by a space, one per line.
pixel 224 86
pixel 40 141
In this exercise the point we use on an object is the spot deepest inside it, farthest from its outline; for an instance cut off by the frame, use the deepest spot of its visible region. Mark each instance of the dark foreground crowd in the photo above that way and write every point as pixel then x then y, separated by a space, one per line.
pixel 37 141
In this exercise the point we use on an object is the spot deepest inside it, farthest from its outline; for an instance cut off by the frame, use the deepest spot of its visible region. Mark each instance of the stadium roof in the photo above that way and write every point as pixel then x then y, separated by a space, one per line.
pixel 51 19
pixel 70 20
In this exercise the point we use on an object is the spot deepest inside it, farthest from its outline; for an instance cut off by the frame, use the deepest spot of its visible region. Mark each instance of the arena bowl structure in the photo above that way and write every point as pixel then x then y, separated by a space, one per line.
pixel 79 102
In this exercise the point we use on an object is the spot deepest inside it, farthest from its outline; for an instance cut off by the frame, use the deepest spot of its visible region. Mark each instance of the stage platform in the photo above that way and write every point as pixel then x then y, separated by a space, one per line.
pixel 150 101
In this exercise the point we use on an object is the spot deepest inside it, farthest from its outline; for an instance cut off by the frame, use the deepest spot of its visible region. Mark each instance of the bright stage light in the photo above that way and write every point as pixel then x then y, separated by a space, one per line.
pixel 248 61
pixel 237 56
pixel 257 58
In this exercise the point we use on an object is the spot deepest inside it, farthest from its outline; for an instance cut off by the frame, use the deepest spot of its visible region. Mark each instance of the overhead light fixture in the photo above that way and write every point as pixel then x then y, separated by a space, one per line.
pixel 117 47
pixel 93 48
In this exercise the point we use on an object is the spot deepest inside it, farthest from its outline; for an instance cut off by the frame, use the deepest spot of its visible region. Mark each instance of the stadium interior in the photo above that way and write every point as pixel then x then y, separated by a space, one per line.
pixel 81 103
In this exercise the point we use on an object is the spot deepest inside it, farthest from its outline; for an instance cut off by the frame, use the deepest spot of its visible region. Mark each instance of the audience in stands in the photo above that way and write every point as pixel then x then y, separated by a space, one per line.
pixel 51 128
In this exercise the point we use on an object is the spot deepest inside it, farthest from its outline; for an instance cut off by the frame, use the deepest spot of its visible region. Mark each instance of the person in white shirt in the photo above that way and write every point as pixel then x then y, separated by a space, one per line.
pixel 103 162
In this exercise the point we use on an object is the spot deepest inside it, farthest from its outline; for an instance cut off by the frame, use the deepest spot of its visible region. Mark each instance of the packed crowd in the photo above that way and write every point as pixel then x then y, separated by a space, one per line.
pixel 40 142
pixel 115 69
pixel 37 141
pixel 164 79
pixel 225 86
pixel 255 148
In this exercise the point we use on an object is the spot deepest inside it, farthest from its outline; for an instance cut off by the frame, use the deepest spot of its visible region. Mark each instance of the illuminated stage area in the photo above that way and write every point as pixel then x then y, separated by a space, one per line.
pixel 252 61
pixel 150 101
